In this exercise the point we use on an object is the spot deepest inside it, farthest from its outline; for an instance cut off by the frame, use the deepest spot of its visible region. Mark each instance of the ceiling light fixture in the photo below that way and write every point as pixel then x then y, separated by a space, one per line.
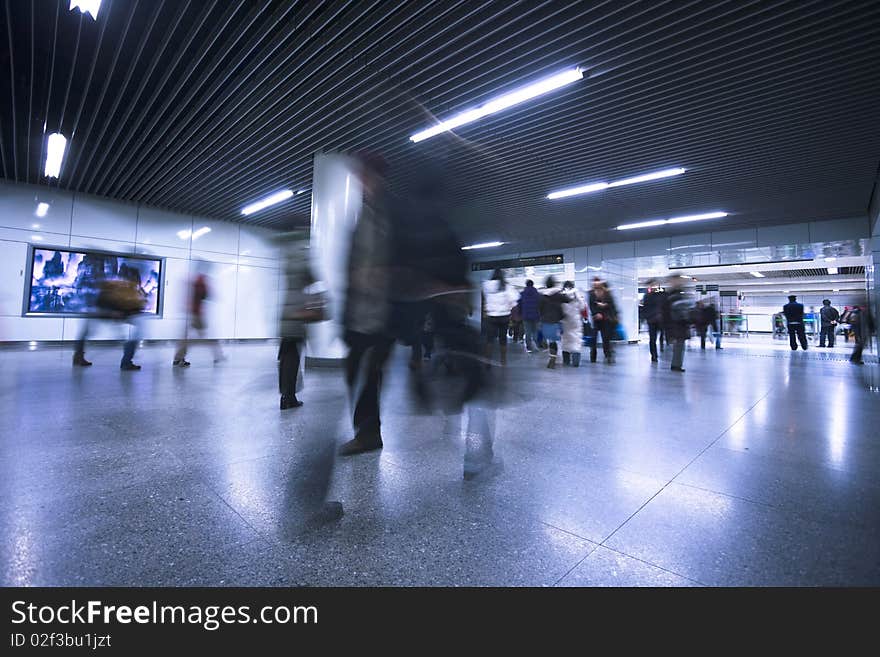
pixel 830 259
pixel 757 274
pixel 302 191
pixel 86 7
pixel 515 97
pixel 55 145
pixel 832 270
pixel 184 234
pixel 599 186
pixel 201 231
pixel 272 199
pixel 42 209
pixel 674 220
pixel 484 245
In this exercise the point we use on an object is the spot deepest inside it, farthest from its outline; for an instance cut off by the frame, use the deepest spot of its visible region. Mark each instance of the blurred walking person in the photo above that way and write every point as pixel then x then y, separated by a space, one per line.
pixel 676 319
pixel 603 314
pixel 303 303
pixel 653 308
pixel 120 300
pixel 552 300
pixel 794 317
pixel 863 327
pixel 367 313
pixel 572 325
pixel 530 308
pixel 198 295
pixel 499 298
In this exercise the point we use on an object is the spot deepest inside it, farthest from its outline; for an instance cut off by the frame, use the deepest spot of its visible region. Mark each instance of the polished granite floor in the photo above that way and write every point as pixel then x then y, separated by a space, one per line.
pixel 746 470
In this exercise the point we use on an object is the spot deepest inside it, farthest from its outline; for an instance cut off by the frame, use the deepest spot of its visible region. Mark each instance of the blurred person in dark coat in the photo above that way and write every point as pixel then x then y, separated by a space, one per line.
pixel 529 305
pixel 367 311
pixel 676 319
pixel 552 300
pixel 829 317
pixel 603 314
pixel 653 309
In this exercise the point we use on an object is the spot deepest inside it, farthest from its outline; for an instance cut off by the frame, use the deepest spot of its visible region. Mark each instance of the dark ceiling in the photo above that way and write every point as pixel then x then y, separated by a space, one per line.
pixel 202 107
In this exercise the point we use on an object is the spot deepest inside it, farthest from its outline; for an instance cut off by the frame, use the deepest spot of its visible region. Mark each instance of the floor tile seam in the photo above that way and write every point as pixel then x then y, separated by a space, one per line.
pixel 593 547
pixel 703 451
pixel 218 494
pixel 654 565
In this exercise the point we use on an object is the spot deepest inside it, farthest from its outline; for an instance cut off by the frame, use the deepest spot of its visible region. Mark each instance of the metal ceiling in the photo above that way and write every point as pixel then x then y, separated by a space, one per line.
pixel 203 106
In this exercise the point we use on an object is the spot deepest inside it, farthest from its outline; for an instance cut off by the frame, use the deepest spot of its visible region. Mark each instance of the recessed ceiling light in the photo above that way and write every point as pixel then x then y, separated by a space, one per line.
pixel 673 220
pixel 55 145
pixel 599 186
pixel 757 274
pixel 42 209
pixel 36 238
pixel 184 234
pixel 201 231
pixel 830 259
pixel 302 191
pixel 502 102
pixel 272 199
pixel 484 245
pixel 86 7
pixel 832 270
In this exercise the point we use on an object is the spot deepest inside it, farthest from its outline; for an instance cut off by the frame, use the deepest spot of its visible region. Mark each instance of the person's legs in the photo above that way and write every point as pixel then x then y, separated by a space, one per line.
pixel 182 348
pixel 566 358
pixel 822 333
pixel 607 329
pixel 79 357
pixel 678 354
pixel 131 344
pixel 575 359
pixel 792 336
pixel 858 347
pixel 702 331
pixel 717 334
pixel 427 343
pixel 802 336
pixel 653 331
pixel 594 343
pixel 551 335
pixel 531 327
pixel 364 374
pixel 503 324
pixel 288 369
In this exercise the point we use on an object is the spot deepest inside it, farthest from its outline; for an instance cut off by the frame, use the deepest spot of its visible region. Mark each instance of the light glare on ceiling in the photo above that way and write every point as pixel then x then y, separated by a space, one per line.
pixel 674 220
pixel 86 7
pixel 56 143
pixel 272 199
pixel 484 245
pixel 502 102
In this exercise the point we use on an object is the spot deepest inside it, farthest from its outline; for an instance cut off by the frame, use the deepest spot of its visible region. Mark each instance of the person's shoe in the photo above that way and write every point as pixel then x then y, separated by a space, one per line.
pixel 551 363
pixel 654 359
pixel 219 359
pixel 857 362
pixel 180 362
pixel 288 402
pixel 677 369
pixel 358 446
pixel 483 470
pixel 80 361
pixel 129 367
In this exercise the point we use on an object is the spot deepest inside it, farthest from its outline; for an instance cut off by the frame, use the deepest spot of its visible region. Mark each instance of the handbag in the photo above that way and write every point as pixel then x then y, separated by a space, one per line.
pixel 313 307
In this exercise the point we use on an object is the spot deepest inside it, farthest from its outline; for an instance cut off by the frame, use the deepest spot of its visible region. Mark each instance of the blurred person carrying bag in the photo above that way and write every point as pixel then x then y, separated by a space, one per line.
pixel 121 297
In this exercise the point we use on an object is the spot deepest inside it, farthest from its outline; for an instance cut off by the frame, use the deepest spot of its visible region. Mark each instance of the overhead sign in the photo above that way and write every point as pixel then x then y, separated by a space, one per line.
pixel 532 261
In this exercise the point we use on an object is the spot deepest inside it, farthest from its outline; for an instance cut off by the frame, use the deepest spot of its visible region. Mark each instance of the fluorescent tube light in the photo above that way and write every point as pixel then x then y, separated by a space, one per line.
pixel 599 186
pixel 757 274
pixel 832 270
pixel 55 145
pixel 272 199
pixel 42 209
pixel 302 191
pixel 502 102
pixel 201 231
pixel 184 234
pixel 484 245
pixel 673 220
pixel 86 7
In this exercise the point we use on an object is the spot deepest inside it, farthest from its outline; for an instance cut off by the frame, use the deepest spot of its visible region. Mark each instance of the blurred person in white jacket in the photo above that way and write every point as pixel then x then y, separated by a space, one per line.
pixel 572 325
pixel 499 298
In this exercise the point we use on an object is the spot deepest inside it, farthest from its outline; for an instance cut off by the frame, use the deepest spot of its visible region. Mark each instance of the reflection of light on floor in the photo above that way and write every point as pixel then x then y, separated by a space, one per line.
pixel 838 423
pixel 737 434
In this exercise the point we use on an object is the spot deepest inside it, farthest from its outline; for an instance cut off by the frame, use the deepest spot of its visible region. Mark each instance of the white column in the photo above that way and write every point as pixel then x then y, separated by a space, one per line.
pixel 336 205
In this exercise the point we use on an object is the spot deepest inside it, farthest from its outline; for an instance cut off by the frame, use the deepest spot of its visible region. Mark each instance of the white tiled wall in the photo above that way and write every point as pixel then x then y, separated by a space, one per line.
pixel 241 263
